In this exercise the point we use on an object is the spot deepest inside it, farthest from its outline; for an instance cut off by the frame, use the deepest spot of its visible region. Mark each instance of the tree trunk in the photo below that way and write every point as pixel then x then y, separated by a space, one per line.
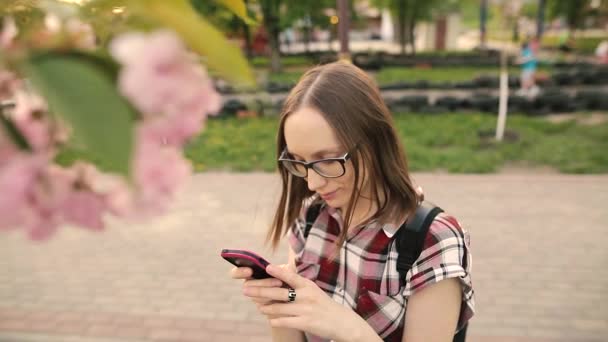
pixel 540 19
pixel 343 29
pixel 483 16
pixel 515 32
pixel 411 32
pixel 247 37
pixel 412 27
pixel 275 52
pixel 330 38
pixel 270 10
pixel 401 24
pixel 307 38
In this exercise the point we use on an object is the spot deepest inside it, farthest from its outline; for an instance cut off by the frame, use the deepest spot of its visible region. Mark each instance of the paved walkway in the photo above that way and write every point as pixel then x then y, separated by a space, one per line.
pixel 539 245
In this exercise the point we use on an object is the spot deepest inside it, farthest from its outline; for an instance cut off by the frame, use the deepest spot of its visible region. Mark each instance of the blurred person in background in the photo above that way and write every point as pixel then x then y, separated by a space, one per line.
pixel 338 150
pixel 528 63
pixel 601 52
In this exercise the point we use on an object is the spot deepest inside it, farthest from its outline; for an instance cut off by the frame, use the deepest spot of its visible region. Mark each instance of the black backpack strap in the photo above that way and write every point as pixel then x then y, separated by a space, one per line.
pixel 410 242
pixel 411 235
pixel 311 216
pixel 461 336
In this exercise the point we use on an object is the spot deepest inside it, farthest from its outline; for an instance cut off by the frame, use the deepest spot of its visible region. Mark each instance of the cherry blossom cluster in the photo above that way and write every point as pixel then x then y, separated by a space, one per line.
pixel 172 95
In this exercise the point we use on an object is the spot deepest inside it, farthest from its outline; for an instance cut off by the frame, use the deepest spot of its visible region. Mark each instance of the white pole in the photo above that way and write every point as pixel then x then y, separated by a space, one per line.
pixel 504 97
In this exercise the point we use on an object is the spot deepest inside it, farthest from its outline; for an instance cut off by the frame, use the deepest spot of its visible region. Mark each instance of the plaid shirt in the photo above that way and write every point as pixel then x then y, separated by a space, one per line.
pixel 365 276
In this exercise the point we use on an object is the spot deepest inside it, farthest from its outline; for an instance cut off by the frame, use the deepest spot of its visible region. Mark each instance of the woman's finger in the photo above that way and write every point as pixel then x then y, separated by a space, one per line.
pixel 241 273
pixel 268 282
pixel 259 302
pixel 287 275
pixel 273 293
pixel 283 309
pixel 292 322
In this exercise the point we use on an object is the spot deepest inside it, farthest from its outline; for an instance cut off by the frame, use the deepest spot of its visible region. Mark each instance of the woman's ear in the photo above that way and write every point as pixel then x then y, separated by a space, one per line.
pixel 420 193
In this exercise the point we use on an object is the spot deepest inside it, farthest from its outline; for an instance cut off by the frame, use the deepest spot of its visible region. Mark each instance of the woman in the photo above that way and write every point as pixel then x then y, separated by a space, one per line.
pixel 337 146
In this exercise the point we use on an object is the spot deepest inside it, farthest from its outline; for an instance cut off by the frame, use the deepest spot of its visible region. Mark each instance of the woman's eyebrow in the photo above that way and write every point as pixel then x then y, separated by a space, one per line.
pixel 318 154
pixel 324 152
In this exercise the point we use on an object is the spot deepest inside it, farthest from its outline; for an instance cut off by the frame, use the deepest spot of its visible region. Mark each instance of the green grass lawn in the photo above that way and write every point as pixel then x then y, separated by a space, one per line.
pixel 396 74
pixel 286 61
pixel 285 77
pixel 433 142
pixel 581 44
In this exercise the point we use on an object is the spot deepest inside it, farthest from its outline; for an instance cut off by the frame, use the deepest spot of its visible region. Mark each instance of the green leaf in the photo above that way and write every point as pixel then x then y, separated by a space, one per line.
pixel 13 133
pixel 237 7
pixel 202 37
pixel 87 99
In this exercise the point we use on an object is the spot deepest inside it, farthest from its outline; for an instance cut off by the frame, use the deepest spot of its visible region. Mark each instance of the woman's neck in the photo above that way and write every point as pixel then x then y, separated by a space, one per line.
pixel 365 208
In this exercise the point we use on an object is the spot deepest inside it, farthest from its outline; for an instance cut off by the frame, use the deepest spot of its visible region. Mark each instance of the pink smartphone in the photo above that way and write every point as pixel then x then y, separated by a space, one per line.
pixel 243 258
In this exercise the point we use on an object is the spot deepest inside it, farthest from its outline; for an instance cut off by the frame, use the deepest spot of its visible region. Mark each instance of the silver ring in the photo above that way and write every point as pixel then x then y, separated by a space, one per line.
pixel 291 295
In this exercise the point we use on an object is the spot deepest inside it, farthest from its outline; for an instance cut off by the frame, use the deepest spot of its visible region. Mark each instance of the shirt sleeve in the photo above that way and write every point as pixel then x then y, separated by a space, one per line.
pixel 445 255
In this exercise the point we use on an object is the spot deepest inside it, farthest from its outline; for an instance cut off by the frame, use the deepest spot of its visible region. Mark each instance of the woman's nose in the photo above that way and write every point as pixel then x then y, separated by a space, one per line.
pixel 315 181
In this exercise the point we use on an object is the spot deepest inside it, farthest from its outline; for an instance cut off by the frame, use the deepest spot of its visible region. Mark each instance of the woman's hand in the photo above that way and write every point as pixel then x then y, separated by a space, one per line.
pixel 245 273
pixel 312 310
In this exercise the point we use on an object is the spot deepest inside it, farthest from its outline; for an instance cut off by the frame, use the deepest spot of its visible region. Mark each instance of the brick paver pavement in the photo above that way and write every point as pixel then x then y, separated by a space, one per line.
pixel 539 245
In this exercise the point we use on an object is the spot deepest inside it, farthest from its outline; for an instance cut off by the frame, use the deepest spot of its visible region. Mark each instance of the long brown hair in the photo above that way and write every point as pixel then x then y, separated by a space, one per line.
pixel 350 101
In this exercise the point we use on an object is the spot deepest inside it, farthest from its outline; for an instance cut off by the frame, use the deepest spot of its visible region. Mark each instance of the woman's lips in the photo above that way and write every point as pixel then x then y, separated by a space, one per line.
pixel 328 196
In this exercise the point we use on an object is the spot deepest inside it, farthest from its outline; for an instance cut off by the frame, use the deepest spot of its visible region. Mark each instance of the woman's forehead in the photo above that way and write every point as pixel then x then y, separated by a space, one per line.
pixel 308 133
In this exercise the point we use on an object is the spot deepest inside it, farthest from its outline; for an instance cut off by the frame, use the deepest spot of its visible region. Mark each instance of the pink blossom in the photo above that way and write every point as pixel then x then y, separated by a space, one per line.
pixel 9 32
pixel 162 79
pixel 31 119
pixel 82 205
pixel 159 172
pixel 64 195
pixel 40 196
pixel 120 199
pixel 82 33
pixel 85 208
pixel 174 95
pixel 42 217
pixel 18 176
pixel 154 49
pixel 9 83
pixel 7 148
pixel 172 130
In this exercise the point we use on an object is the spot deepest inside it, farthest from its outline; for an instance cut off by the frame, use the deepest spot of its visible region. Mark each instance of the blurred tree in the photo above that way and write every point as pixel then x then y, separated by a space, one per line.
pixel 511 12
pixel 408 13
pixel 281 14
pixel 540 18
pixel 270 12
pixel 309 14
pixel 25 12
pixel 227 21
pixel 219 15
pixel 573 11
pixel 483 21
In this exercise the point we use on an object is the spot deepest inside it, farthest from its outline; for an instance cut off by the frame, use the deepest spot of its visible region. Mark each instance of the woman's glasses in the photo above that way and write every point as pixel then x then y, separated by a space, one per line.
pixel 328 167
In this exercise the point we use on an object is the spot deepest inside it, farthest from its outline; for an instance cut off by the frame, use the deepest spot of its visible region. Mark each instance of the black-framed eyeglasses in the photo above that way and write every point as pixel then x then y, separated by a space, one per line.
pixel 328 167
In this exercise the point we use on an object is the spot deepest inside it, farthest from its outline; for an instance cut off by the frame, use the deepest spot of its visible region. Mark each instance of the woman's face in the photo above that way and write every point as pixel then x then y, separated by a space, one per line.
pixel 309 137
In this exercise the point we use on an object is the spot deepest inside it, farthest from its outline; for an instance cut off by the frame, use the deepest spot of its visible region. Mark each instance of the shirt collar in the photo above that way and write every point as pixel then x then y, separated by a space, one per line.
pixel 390 229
